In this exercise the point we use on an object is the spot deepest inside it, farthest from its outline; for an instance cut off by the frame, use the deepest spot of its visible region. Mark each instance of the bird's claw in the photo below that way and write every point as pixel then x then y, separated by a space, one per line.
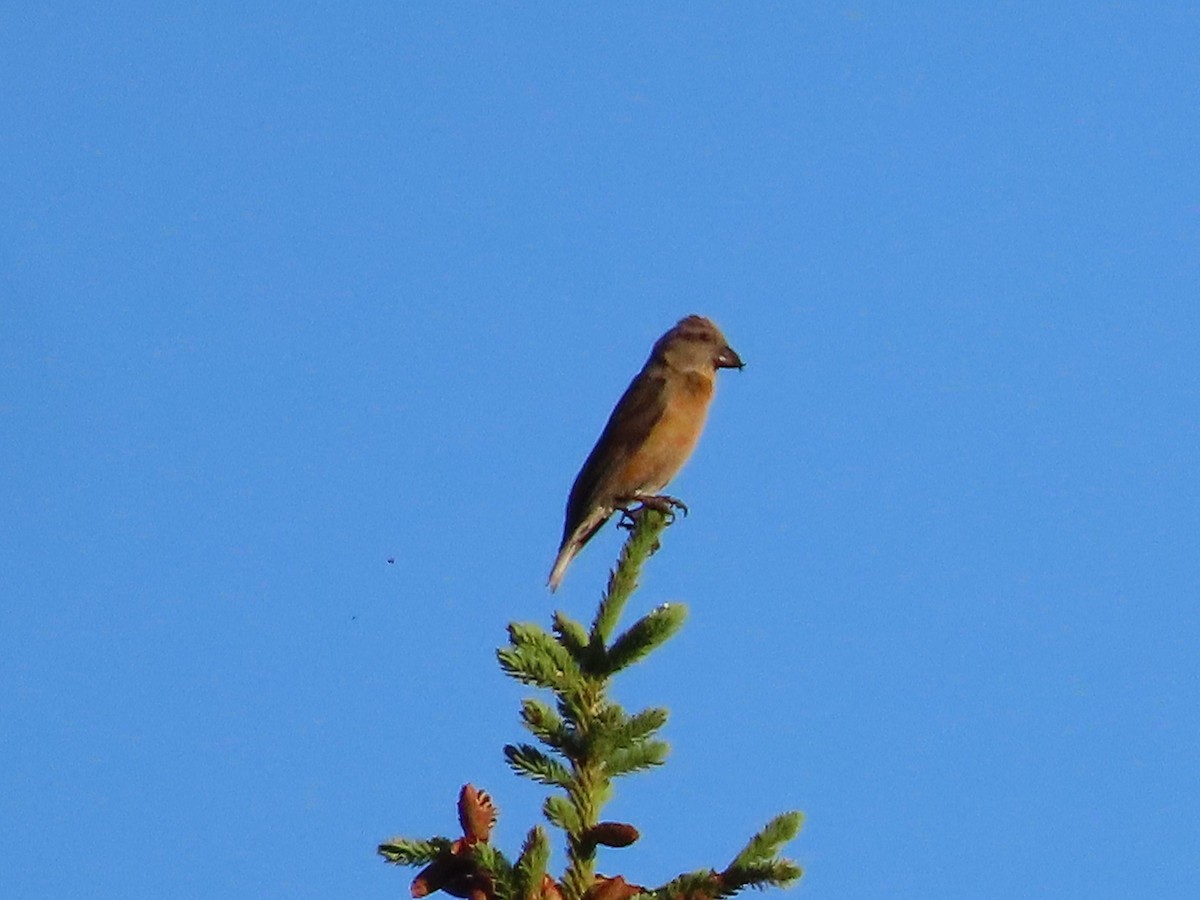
pixel 657 502
pixel 628 518
pixel 665 505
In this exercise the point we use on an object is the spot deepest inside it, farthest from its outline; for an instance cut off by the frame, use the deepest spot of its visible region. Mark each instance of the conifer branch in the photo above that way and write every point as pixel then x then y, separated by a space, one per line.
pixel 530 762
pixel 712 885
pixel 776 873
pixel 618 731
pixel 561 812
pixel 536 658
pixel 589 740
pixel 531 864
pixel 764 845
pixel 638 727
pixel 571 634
pixel 622 580
pixel 638 758
pixel 499 870
pixel 690 886
pixel 546 725
pixel 645 636
pixel 403 851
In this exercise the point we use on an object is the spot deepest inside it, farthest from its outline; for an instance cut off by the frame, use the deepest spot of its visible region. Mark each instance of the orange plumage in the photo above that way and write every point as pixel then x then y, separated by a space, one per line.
pixel 650 434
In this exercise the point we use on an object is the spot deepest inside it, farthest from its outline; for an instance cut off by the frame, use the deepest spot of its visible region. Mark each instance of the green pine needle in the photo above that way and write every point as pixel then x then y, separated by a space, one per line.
pixel 403 851
pixel 645 635
pixel 589 793
pixel 534 657
pixel 621 732
pixel 497 865
pixel 702 883
pixel 530 762
pixel 776 873
pixel 529 669
pixel 623 579
pixel 643 755
pixel 531 864
pixel 532 639
pixel 710 885
pixel 643 724
pixel 764 845
pixel 559 811
pixel 546 725
pixel 572 635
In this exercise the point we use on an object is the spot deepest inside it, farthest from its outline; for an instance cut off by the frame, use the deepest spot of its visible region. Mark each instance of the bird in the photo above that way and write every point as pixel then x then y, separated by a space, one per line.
pixel 651 433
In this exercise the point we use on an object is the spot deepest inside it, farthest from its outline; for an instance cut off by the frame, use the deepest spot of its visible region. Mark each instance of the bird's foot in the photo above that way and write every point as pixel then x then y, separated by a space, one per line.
pixel 657 502
pixel 629 517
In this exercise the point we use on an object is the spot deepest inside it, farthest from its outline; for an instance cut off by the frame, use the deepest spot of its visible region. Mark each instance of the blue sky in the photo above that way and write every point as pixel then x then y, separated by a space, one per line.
pixel 290 291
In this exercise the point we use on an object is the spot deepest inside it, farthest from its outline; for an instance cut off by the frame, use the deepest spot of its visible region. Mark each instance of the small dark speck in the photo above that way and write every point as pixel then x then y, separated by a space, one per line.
pixel 391 560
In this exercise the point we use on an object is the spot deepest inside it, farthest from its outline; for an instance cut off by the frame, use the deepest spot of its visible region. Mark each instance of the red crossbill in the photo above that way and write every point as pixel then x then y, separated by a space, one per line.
pixel 650 434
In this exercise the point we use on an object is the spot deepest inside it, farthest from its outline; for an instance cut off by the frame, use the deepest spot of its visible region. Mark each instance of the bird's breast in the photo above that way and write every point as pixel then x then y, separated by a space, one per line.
pixel 673 437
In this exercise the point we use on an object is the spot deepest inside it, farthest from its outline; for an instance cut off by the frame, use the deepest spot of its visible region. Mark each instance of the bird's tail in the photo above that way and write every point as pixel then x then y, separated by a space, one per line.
pixel 565 554
pixel 574 542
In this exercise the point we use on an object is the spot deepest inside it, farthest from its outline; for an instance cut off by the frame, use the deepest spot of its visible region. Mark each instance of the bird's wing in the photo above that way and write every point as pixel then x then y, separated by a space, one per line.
pixel 635 415
pixel 594 492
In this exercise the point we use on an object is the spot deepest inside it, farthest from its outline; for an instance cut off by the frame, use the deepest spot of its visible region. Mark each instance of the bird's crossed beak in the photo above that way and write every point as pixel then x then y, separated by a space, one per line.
pixel 728 359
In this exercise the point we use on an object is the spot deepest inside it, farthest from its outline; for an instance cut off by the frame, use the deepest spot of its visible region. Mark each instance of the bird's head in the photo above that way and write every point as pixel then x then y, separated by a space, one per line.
pixel 695 344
